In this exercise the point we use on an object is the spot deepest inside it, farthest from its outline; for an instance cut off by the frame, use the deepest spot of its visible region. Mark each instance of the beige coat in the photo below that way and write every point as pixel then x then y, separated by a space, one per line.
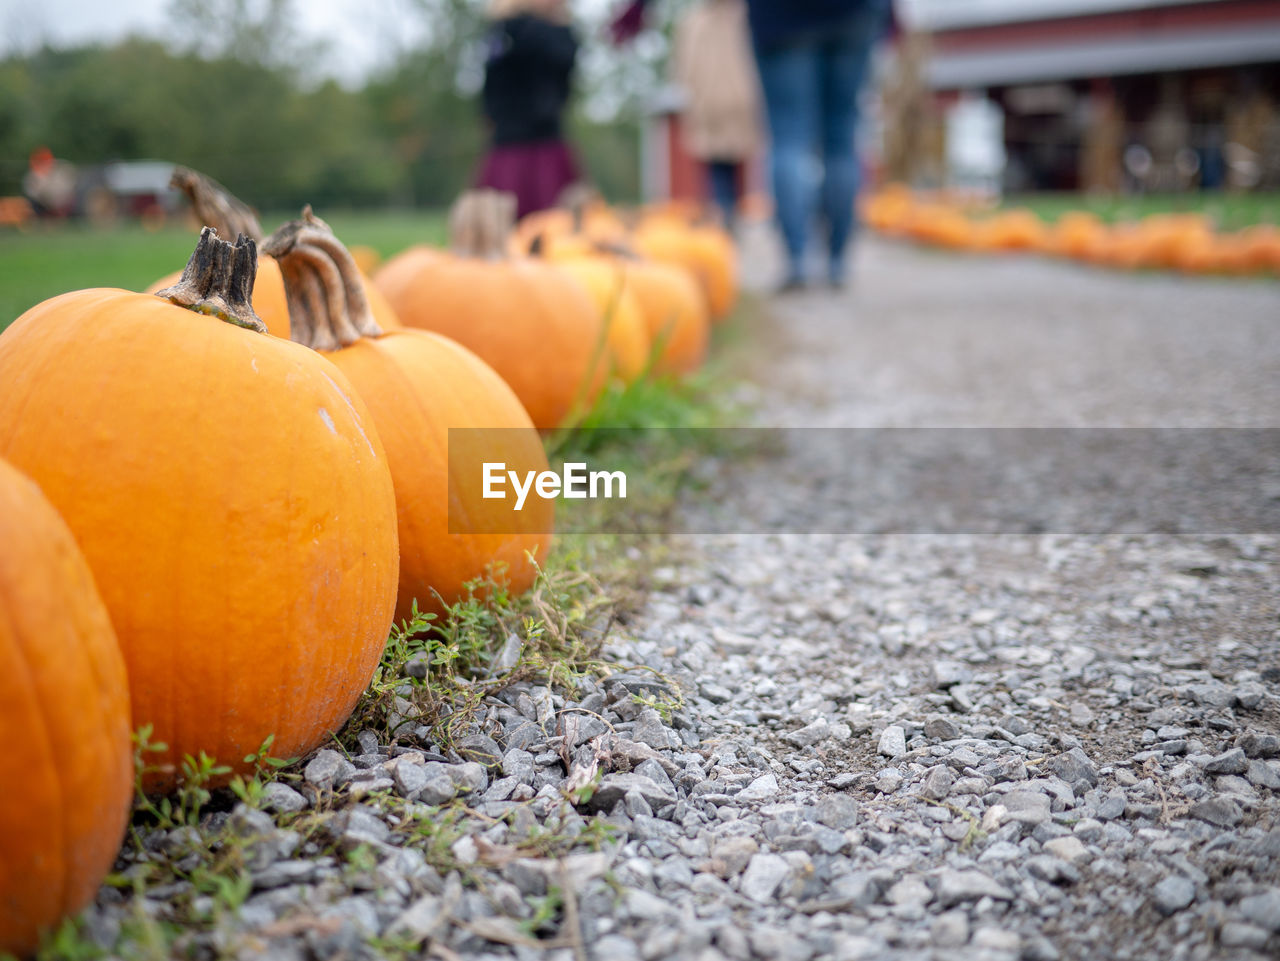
pixel 713 64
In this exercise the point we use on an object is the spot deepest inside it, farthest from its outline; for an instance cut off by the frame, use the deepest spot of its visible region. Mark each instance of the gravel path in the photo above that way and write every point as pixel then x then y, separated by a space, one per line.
pixel 851 747
pixel 990 747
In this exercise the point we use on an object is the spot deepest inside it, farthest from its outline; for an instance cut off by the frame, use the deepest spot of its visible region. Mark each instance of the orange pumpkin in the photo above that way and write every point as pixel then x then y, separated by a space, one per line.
pixel 938 224
pixel 591 220
pixel 674 311
pixel 888 209
pixel 707 252
pixel 1261 248
pixel 1166 237
pixel 528 320
pixel 64 721
pixel 1075 234
pixel 626 332
pixel 230 494
pixel 666 297
pixel 418 386
pixel 367 259
pixel 216 207
pixel 1011 230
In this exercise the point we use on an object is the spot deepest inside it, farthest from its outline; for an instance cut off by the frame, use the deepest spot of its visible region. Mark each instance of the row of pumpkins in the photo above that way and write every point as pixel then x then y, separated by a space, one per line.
pixel 1186 242
pixel 215 499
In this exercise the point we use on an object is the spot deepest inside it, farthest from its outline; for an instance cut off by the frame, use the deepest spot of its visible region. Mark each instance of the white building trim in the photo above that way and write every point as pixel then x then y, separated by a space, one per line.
pixel 958 14
pixel 1103 57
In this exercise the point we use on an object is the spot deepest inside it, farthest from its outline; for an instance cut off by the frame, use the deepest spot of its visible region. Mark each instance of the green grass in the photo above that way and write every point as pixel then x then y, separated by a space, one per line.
pixel 1229 211
pixel 50 259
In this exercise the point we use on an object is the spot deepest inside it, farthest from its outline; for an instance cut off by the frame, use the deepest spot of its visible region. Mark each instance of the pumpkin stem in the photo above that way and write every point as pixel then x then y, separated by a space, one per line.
pixel 328 308
pixel 218 280
pixel 480 222
pixel 577 198
pixel 216 206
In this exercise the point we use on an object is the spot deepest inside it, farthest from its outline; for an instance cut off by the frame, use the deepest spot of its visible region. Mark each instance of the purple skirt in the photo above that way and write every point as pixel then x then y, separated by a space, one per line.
pixel 535 172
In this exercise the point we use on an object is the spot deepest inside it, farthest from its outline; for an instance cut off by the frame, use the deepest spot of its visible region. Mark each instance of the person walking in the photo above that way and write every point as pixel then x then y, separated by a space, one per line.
pixel 720 122
pixel 530 53
pixel 812 57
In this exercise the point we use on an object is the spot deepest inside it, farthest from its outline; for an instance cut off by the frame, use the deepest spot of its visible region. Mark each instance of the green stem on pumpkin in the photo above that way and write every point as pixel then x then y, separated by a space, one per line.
pixel 215 206
pixel 328 308
pixel 218 280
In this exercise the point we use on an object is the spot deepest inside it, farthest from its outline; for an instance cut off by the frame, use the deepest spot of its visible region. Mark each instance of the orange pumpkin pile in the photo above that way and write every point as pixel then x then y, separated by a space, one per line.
pixel 1182 242
pixel 216 496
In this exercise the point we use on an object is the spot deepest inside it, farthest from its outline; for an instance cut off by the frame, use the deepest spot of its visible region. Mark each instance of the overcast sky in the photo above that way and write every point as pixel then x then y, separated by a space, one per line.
pixel 358 32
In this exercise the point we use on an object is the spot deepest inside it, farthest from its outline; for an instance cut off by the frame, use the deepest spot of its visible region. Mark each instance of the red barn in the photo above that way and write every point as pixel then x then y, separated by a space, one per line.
pixel 1161 94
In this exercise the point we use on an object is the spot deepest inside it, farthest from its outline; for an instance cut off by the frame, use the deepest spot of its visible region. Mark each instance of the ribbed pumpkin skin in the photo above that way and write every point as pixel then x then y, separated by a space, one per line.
pixel 627 334
pixel 269 303
pixel 674 312
pixel 234 504
pixel 706 252
pixel 417 385
pixel 526 320
pixel 64 721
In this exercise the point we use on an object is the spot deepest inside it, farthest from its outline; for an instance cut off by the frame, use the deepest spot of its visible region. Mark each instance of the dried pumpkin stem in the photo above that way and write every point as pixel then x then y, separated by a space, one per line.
pixel 480 223
pixel 328 308
pixel 216 206
pixel 218 280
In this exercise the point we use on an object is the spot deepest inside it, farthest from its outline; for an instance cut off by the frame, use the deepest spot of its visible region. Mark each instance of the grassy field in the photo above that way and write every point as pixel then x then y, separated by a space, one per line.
pixel 1228 211
pixel 46 260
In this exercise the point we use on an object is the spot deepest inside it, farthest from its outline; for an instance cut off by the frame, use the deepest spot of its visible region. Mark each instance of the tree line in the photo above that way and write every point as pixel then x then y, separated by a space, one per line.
pixel 410 136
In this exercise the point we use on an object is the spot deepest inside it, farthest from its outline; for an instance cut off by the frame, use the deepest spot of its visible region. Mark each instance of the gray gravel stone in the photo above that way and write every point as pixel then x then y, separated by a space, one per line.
pixel 327 770
pixel 410 779
pixel 1220 811
pixel 519 765
pixel 1027 807
pixel 761 789
pixel 969 885
pixel 1235 934
pixel 950 929
pixel 1255 744
pixel 1172 894
pixel 437 789
pixel 763 876
pixel 614 787
pixel 1262 909
pixel 812 733
pixel 893 742
pixel 1263 774
pixel 837 811
pixel 947 674
pixel 1229 762
pixel 282 799
pixel 938 783
pixel 732 854
pixel 1068 848
pixel 941 729
pixel 1074 767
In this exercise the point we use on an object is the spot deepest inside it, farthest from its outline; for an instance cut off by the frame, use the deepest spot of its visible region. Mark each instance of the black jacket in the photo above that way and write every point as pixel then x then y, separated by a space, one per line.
pixel 528 68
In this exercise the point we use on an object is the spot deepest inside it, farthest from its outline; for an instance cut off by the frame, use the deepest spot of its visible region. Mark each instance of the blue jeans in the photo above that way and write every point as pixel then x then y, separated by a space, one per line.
pixel 811 87
pixel 722 177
